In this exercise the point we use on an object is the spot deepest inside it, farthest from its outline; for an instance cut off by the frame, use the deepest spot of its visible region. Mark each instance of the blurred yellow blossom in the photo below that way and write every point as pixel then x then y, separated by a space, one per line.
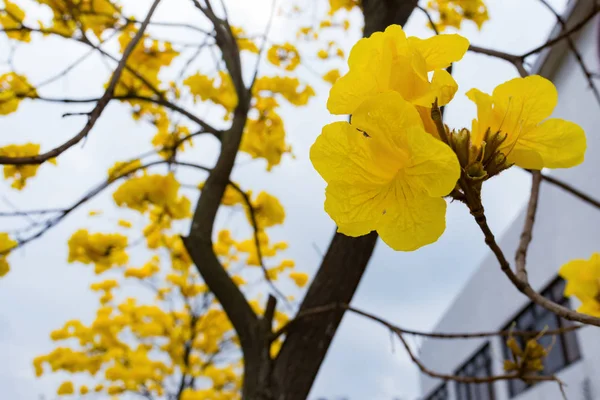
pixel 19 174
pixel 102 250
pixel 285 56
pixel 6 244
pixel 299 278
pixel 583 282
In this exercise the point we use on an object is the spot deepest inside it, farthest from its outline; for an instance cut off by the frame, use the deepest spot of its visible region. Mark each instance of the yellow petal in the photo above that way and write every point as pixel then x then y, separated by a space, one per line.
pixel 434 167
pixel 370 70
pixel 349 91
pixel 443 87
pixel 355 208
pixel 409 221
pixel 342 153
pixel 524 102
pixel 484 114
pixel 441 50
pixel 590 307
pixel 386 116
pixel 555 143
pixel 428 123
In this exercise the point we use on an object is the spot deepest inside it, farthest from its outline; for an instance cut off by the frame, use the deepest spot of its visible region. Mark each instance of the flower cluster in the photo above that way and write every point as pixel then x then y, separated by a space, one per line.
pixel 285 56
pixel 19 174
pixel 11 19
pixel 13 88
pixel 390 167
pixel 149 56
pixel 69 17
pixel 102 250
pixel 451 13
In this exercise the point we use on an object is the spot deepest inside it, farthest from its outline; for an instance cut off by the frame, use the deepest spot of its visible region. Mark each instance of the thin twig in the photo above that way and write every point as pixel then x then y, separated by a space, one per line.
pixel 97 111
pixel 573 47
pixel 434 335
pixel 526 235
pixel 570 189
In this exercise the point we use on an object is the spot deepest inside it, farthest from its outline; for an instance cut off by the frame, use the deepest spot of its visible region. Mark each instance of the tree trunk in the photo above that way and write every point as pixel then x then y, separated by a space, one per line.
pixel 341 270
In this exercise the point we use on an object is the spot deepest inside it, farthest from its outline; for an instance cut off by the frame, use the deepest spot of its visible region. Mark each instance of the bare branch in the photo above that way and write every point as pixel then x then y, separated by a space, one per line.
pixel 570 189
pixel 573 47
pixel 96 112
pixel 526 235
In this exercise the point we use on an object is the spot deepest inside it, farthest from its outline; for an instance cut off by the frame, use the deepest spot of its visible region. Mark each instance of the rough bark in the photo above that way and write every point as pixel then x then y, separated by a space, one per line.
pixel 291 375
pixel 341 270
pixel 379 14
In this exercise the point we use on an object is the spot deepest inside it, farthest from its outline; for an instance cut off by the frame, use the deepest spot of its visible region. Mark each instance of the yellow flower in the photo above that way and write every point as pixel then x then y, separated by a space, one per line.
pixel 102 250
pixel 288 87
pixel 238 280
pixel 268 211
pixel 20 173
pixel 65 388
pixel 6 244
pixel 385 173
pixel 389 61
pixel 146 271
pixel 149 57
pixel 453 12
pixel 323 54
pixel 11 18
pixel 285 56
pixel 124 223
pixel 243 42
pixel 299 278
pixel 221 92
pixel 264 137
pixel 583 281
pixel 336 5
pixel 332 76
pixel 160 191
pixel 13 88
pixel 121 168
pixel 169 141
pixel 106 285
pixel 519 108
pixel 83 389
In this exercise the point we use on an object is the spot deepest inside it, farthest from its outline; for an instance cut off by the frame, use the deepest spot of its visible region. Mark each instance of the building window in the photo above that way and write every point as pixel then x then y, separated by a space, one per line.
pixel 478 366
pixel 440 393
pixel 535 318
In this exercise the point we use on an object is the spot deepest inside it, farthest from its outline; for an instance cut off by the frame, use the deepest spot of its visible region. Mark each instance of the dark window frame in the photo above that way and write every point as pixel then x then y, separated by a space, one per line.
pixel 566 351
pixel 439 393
pixel 481 359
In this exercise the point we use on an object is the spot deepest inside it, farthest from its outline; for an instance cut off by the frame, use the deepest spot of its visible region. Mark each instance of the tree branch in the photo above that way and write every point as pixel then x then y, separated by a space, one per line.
pixel 97 111
pixel 526 235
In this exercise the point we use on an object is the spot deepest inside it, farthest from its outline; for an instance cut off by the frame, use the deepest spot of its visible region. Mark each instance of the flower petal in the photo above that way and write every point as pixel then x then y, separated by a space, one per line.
pixel 349 91
pixel 434 167
pixel 441 50
pixel 555 143
pixel 410 221
pixel 386 117
pixel 443 87
pixel 524 102
pixel 354 208
pixel 483 101
pixel 343 154
pixel 370 70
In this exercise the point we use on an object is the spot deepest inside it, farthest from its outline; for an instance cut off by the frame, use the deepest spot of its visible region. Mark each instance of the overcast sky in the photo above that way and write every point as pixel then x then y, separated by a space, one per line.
pixel 412 289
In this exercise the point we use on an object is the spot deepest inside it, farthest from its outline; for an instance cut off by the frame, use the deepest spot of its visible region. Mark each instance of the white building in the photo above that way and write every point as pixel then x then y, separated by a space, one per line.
pixel 566 228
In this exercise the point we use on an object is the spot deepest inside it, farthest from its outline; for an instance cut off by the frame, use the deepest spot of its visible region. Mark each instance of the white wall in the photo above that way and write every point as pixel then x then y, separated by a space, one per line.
pixel 566 228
